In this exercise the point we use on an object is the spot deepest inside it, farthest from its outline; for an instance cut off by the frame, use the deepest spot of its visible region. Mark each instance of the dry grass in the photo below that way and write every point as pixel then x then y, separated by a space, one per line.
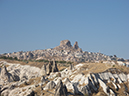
pixel 22 85
pixel 38 91
pixel 37 64
pixel 100 92
pixel 121 91
pixel 111 86
pixel 101 67
pixel 31 82
pixel 95 67
pixel 123 69
pixel 34 81
pixel 61 68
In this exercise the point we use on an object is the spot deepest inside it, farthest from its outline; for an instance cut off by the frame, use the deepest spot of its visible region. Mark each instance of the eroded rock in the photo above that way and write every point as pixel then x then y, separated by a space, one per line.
pixel 75 46
pixel 43 80
pixel 49 67
pixel 61 89
pixel 5 75
pixel 50 85
pixel 54 68
pixel 43 71
pixel 65 43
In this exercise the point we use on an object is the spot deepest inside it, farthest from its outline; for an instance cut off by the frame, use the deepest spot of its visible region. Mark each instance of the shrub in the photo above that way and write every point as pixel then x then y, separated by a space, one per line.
pixel 62 69
pixel 15 58
pixel 3 57
pixel 27 62
pixel 10 58
pixel 86 95
pixel 69 62
pixel 42 60
pixel 60 61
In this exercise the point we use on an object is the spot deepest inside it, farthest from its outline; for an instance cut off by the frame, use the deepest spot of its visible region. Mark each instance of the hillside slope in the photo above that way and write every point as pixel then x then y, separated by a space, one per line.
pixel 64 52
pixel 54 79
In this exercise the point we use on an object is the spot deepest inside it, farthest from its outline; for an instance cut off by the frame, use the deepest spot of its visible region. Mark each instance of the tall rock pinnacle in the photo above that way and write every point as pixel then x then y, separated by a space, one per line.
pixel 75 46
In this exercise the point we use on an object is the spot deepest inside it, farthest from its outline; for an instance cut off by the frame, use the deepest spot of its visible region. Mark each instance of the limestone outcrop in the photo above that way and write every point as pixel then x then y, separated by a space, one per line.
pixel 61 89
pixel 50 85
pixel 43 80
pixel 71 67
pixel 5 75
pixel 49 67
pixel 43 71
pixel 65 43
pixel 54 68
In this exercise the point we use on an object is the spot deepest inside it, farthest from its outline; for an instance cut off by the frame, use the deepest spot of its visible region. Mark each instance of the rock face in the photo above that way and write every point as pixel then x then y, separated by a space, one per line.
pixel 85 90
pixel 66 81
pixel 43 80
pixel 43 71
pixel 54 68
pixel 50 85
pixel 75 46
pixel 71 67
pixel 5 75
pixel 65 43
pixel 29 55
pixel 49 67
pixel 61 89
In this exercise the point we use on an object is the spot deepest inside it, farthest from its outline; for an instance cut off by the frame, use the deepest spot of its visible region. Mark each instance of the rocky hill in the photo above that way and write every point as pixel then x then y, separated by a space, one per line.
pixel 52 78
pixel 64 52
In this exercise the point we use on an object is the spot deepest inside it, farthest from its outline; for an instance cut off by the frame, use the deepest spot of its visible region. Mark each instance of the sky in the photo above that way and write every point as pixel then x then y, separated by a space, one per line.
pixel 97 25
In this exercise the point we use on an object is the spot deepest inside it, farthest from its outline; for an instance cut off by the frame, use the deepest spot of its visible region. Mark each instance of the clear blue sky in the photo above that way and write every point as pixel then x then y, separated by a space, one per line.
pixel 97 25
